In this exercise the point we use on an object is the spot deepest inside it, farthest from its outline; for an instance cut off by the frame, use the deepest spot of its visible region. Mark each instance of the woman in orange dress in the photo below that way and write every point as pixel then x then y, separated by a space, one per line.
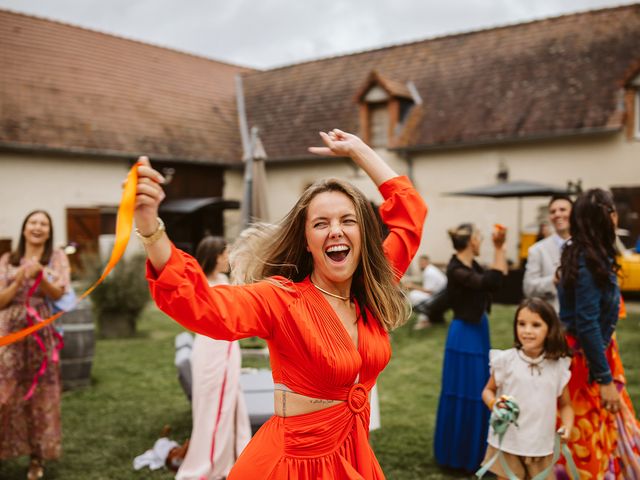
pixel 328 298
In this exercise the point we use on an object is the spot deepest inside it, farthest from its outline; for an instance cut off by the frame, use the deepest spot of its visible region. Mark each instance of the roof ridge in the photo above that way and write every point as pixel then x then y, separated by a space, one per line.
pixel 125 38
pixel 454 35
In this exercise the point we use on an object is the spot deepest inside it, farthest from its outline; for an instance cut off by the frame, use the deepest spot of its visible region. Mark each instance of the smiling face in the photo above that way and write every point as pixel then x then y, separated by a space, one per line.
pixel 333 237
pixel 532 331
pixel 37 229
pixel 559 212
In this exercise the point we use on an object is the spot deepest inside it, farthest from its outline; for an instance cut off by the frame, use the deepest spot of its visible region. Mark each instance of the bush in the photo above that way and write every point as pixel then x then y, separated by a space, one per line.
pixel 120 299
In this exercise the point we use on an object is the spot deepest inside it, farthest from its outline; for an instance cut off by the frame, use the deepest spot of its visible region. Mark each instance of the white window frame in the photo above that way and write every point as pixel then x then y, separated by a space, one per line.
pixel 635 83
pixel 636 123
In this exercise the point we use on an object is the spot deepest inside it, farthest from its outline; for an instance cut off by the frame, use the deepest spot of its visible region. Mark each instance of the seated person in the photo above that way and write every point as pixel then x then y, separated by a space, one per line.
pixel 433 282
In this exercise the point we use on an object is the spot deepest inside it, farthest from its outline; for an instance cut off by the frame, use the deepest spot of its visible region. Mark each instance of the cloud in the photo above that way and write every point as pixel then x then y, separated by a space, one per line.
pixel 267 33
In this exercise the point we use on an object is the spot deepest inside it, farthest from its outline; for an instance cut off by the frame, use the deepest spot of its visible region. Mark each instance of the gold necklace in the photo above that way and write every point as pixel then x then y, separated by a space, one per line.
pixel 334 295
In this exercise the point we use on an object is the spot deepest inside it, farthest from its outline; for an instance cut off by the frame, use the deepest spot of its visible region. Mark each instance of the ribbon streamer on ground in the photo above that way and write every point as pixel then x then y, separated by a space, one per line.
pixel 124 224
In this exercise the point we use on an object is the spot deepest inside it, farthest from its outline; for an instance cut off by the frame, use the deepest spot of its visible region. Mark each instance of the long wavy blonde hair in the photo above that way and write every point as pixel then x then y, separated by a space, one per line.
pixel 283 252
pixel 245 253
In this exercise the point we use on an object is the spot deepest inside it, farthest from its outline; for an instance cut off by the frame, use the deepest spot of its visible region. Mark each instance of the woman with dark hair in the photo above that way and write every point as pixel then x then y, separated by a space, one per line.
pixel 462 419
pixel 221 426
pixel 326 295
pixel 29 379
pixel 605 440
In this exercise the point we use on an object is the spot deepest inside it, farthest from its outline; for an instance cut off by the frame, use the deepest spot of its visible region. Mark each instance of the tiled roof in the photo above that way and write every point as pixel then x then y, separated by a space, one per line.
pixel 69 88
pixel 540 79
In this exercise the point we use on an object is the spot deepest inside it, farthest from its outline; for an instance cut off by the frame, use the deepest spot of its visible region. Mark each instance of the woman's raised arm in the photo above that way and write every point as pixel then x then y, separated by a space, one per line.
pixel 403 210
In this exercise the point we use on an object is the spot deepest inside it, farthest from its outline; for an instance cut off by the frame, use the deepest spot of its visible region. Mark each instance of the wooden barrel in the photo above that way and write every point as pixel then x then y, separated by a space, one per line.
pixel 79 344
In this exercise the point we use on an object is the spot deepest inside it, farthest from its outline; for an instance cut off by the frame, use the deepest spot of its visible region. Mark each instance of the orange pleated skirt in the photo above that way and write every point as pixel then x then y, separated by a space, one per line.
pixel 331 444
pixel 603 445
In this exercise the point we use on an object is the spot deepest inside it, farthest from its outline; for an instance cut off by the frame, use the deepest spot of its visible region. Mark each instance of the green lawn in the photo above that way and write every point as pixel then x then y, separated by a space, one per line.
pixel 135 392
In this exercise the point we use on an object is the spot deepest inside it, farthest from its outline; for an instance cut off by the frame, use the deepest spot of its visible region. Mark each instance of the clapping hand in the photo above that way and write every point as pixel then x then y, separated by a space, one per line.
pixel 20 275
pixel 32 268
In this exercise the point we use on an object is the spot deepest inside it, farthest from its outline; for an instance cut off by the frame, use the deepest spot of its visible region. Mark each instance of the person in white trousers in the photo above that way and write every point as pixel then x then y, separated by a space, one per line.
pixel 221 427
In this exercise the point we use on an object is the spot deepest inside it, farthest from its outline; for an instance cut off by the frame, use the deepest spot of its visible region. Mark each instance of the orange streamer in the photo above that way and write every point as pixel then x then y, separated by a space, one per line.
pixel 124 224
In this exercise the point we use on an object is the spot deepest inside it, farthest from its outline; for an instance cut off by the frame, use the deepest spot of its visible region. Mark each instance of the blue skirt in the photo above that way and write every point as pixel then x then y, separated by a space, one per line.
pixel 463 419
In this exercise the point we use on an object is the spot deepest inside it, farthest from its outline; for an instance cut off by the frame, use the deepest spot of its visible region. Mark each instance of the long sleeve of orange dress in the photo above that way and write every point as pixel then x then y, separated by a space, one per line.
pixel 311 352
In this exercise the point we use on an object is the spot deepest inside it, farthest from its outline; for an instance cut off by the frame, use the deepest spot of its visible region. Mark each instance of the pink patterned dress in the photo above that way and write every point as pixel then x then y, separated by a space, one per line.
pixel 29 427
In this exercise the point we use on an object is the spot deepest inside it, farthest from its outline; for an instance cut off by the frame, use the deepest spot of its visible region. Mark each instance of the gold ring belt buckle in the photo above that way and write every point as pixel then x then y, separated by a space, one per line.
pixel 358 387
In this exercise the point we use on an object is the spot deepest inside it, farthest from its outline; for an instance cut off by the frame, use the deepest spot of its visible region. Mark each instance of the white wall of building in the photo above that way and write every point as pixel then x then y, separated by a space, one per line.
pixel 598 161
pixel 604 161
pixel 233 190
pixel 29 182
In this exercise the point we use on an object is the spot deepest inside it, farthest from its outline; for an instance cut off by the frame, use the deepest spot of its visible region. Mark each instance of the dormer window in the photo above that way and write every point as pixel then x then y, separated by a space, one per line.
pixel 377 102
pixel 384 106
pixel 632 106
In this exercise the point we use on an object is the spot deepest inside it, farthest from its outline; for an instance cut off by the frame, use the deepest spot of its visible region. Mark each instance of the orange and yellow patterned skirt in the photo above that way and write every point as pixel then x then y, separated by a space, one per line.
pixel 603 445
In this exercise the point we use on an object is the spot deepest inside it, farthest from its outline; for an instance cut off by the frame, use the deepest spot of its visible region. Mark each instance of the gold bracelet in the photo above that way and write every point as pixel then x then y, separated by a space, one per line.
pixel 148 240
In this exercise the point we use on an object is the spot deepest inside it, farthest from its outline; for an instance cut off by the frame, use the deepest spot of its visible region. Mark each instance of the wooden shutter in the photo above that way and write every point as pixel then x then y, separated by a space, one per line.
pixel 83 229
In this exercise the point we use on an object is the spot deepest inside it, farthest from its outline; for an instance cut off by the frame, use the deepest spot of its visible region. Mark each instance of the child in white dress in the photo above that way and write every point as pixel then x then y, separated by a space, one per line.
pixel 535 373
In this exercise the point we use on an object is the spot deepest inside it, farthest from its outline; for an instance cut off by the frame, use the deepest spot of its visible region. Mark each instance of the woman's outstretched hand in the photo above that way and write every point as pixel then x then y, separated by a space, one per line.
pixel 338 144
pixel 343 144
pixel 149 194
pixel 499 235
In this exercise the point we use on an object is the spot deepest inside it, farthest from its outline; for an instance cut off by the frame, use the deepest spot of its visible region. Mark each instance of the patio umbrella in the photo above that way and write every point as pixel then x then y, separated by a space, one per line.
pixel 254 207
pixel 513 189
pixel 254 204
pixel 259 205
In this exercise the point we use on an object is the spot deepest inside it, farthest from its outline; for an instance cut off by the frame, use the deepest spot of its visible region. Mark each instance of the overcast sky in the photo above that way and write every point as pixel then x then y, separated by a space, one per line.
pixel 268 33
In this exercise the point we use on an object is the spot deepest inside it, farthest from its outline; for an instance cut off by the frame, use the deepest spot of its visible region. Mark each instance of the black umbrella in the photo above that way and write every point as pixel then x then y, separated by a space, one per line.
pixel 513 189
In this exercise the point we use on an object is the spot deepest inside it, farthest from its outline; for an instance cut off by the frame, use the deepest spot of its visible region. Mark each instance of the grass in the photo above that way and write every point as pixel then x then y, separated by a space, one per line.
pixel 135 392
pixel 409 391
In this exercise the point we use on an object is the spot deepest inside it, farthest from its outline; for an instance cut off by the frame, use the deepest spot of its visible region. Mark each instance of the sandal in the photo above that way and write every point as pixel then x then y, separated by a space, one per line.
pixel 36 470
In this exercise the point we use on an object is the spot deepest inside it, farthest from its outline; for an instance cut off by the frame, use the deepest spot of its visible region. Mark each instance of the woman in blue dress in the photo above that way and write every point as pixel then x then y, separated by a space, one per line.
pixel 463 420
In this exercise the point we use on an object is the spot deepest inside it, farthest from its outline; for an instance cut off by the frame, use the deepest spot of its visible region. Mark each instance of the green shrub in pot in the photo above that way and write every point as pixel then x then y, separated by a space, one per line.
pixel 119 300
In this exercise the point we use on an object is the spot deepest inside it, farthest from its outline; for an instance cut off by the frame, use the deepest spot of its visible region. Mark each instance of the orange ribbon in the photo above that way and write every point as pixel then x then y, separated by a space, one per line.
pixel 124 224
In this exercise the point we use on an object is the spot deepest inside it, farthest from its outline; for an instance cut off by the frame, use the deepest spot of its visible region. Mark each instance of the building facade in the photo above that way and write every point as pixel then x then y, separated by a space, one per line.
pixel 553 101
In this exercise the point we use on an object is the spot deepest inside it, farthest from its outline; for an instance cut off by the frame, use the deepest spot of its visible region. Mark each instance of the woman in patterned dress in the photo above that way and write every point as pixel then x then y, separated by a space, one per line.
pixel 605 439
pixel 29 403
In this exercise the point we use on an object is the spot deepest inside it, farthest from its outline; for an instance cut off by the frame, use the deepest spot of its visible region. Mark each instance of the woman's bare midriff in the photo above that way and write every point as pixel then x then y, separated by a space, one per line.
pixel 289 404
